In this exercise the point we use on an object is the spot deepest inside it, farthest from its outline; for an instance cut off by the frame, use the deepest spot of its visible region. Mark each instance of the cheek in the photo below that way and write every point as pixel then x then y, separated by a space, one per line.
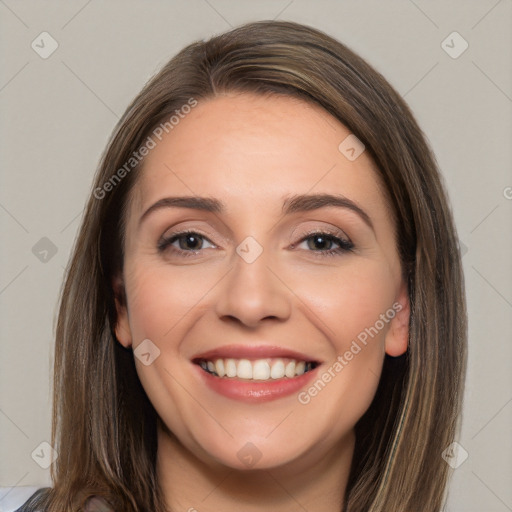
pixel 160 298
pixel 354 309
pixel 350 301
pixel 160 303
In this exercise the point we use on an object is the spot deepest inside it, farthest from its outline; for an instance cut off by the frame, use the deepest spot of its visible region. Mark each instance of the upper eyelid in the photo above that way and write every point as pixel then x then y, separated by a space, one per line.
pixel 176 234
pixel 343 238
pixel 334 232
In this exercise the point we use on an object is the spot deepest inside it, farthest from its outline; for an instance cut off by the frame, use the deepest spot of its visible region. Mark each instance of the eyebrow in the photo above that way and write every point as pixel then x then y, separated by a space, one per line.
pixel 294 204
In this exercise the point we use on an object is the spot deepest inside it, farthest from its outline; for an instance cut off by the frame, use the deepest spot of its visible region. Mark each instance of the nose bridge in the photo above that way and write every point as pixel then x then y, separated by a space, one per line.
pixel 252 291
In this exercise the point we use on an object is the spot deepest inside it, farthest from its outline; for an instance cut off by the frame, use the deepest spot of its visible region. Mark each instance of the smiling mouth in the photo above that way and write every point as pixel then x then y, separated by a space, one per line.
pixel 256 370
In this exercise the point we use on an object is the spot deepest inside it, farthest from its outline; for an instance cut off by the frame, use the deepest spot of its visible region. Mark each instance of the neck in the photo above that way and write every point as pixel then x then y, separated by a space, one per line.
pixel 193 485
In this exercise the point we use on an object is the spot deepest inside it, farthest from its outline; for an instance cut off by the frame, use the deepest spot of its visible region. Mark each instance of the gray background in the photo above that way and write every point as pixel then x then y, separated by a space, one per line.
pixel 58 112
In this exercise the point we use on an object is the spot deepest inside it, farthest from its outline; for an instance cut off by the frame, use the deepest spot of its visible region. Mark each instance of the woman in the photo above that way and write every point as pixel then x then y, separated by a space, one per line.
pixel 264 307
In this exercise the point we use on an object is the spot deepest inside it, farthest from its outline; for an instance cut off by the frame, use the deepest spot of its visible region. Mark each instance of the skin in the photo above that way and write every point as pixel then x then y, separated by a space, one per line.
pixel 252 152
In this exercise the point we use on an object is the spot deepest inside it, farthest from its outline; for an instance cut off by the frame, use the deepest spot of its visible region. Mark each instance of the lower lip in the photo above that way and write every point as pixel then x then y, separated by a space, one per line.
pixel 255 391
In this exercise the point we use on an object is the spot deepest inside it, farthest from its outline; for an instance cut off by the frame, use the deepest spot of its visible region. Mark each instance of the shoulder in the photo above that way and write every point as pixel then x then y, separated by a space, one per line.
pixel 36 502
pixel 24 499
pixel 97 504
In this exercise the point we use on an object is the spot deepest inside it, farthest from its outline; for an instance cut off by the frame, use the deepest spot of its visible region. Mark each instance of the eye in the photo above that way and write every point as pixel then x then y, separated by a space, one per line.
pixel 322 243
pixel 188 243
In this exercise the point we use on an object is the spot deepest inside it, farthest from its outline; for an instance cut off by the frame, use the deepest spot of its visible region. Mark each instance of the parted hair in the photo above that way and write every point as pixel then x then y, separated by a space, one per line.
pixel 104 426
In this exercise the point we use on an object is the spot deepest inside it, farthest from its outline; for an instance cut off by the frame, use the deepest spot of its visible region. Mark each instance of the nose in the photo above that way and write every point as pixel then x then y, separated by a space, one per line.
pixel 252 292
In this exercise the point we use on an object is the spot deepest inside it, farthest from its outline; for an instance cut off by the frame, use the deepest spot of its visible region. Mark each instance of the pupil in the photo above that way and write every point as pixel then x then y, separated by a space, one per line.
pixel 323 241
pixel 193 241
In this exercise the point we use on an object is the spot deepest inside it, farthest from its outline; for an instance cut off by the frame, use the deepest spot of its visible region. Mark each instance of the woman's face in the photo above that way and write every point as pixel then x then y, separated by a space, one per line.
pixel 260 335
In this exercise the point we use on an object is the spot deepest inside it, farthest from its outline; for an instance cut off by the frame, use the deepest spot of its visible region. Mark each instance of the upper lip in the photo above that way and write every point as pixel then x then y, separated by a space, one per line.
pixel 253 352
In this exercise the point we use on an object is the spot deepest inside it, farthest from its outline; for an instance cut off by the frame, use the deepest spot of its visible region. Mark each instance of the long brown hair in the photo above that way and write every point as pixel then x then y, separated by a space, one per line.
pixel 104 426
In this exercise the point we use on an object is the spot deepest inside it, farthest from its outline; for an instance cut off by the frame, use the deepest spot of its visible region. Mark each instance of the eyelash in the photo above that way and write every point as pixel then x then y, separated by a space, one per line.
pixel 345 245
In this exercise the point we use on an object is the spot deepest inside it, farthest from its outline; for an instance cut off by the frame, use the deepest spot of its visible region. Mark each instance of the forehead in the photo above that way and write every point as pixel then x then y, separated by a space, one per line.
pixel 252 149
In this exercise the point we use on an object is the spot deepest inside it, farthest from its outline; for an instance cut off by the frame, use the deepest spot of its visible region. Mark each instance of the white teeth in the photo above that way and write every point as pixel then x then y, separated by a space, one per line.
pixel 230 368
pixel 219 368
pixel 289 371
pixel 261 370
pixel 300 368
pixel 277 370
pixel 244 369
